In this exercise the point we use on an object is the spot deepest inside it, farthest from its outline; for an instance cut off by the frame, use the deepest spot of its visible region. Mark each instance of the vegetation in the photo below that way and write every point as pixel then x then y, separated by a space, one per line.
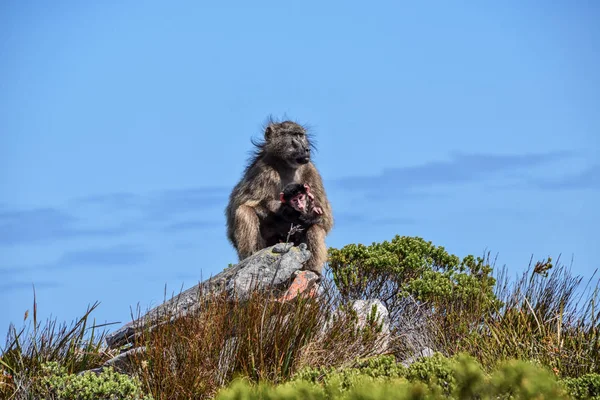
pixel 545 315
pixel 261 338
pixel 55 383
pixel 536 336
pixel 28 351
pixel 413 277
pixel 433 378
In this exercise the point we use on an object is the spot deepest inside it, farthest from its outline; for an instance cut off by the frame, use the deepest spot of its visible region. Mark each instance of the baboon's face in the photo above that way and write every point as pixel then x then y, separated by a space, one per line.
pixel 288 141
pixel 298 202
pixel 297 196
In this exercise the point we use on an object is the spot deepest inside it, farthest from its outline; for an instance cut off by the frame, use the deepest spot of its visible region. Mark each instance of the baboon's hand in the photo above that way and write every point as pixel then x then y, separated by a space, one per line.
pixel 318 210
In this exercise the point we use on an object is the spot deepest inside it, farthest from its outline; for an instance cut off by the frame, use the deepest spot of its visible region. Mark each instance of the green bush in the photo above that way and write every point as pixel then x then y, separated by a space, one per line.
pixel 57 384
pixel 415 266
pixel 395 389
pixel 584 387
pixel 470 380
pixel 434 378
pixel 524 380
pixel 380 369
pixel 436 371
pixel 450 304
pixel 458 291
pixel 458 377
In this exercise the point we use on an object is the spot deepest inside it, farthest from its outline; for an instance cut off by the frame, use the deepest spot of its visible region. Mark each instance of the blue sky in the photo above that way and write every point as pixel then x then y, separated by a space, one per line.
pixel 123 127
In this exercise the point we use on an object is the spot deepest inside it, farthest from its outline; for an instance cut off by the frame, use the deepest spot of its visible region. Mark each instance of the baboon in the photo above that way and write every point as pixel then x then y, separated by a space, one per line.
pixel 298 210
pixel 282 158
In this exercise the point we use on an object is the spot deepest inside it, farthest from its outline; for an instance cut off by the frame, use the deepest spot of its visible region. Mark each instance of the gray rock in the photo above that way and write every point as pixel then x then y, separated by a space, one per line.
pixel 121 363
pixel 363 309
pixel 268 268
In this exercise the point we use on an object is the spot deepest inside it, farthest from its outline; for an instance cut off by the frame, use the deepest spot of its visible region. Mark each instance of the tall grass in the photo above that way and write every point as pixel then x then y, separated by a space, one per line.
pixel 259 338
pixel 76 347
pixel 547 316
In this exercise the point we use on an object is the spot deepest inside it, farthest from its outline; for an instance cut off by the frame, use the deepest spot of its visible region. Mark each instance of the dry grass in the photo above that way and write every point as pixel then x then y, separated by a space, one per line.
pixel 259 338
pixel 76 347
pixel 547 316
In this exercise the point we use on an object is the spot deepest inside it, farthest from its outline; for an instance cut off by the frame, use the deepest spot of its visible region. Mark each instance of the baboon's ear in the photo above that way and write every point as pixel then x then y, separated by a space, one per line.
pixel 281 199
pixel 268 132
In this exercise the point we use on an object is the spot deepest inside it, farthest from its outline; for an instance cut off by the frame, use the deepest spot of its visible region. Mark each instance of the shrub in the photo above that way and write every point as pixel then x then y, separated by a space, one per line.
pixel 436 371
pixel 524 380
pixel 258 338
pixel 76 347
pixel 584 387
pixel 56 383
pixel 384 366
pixel 455 293
pixel 410 266
pixel 366 390
pixel 380 369
pixel 455 305
pixel 546 317
pixel 437 377
pixel 439 373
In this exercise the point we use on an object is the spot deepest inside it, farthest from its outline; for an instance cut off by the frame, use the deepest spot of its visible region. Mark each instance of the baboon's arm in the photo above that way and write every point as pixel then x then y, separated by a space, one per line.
pixel 261 192
pixel 311 176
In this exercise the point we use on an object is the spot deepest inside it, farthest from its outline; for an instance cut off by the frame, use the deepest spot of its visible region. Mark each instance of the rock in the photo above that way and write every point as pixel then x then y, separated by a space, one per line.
pixel 272 267
pixel 121 363
pixel 363 309
pixel 305 282
pixel 267 269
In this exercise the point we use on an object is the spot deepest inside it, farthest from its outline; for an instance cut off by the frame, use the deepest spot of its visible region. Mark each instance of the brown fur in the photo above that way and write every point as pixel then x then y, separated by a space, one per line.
pixel 275 164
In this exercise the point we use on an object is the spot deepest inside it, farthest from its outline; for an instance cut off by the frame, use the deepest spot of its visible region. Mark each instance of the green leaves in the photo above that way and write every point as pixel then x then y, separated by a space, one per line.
pixel 56 383
pixel 411 266
pixel 435 377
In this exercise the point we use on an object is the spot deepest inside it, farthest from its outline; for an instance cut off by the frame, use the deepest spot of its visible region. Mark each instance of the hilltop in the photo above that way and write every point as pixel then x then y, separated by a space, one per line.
pixel 440 326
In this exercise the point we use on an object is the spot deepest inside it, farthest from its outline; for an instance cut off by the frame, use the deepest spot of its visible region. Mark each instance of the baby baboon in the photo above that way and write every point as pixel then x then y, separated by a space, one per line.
pixel 283 158
pixel 298 204
pixel 297 212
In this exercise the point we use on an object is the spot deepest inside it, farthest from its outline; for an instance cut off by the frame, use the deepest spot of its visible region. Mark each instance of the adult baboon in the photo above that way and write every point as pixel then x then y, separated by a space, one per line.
pixel 282 158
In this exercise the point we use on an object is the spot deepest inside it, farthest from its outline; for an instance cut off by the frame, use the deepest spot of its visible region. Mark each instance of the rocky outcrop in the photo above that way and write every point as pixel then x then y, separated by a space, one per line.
pixel 270 268
pixel 277 269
